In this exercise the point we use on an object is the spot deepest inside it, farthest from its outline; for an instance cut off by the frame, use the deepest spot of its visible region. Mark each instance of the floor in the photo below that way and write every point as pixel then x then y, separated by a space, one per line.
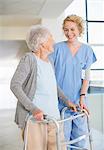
pixel 10 138
pixel 10 135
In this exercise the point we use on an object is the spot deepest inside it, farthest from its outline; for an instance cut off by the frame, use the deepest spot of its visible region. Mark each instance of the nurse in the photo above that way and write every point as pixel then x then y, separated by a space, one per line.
pixel 72 60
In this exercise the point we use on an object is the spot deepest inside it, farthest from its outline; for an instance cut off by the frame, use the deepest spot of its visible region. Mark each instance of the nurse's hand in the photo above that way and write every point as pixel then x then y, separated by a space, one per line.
pixel 83 106
pixel 38 114
pixel 72 106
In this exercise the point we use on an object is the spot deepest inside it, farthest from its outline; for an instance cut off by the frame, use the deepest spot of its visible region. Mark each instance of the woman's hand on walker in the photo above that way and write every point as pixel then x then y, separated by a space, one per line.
pixel 38 114
pixel 83 106
pixel 72 106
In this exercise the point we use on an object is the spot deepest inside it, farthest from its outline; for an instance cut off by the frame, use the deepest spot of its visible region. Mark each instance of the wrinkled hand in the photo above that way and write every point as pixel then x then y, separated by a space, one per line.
pixel 72 106
pixel 83 106
pixel 38 114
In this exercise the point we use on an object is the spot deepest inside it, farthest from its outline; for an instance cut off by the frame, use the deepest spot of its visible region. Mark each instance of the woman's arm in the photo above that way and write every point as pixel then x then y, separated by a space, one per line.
pixel 85 85
pixel 20 76
pixel 65 100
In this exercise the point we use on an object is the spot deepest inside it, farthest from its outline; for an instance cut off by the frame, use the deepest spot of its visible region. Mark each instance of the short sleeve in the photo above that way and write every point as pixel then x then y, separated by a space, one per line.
pixel 90 58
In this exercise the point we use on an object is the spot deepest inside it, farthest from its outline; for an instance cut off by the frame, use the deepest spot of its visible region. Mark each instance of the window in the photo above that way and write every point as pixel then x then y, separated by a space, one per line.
pixel 96 33
pixel 94 28
pixel 93 6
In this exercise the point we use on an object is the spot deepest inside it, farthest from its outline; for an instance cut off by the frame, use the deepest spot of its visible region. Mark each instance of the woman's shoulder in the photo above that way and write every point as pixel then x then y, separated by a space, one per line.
pixel 87 48
pixel 29 55
pixel 28 58
pixel 59 44
pixel 86 45
pixel 88 51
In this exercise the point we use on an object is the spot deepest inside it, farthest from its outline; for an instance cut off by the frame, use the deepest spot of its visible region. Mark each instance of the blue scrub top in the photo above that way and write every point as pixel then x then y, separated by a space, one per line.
pixel 68 68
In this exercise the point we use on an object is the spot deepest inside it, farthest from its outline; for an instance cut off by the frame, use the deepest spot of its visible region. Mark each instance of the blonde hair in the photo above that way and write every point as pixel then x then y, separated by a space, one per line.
pixel 36 36
pixel 76 19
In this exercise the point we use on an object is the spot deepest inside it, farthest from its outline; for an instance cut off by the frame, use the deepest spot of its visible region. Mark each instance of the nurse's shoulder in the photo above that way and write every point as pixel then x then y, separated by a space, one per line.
pixel 59 46
pixel 89 53
pixel 87 49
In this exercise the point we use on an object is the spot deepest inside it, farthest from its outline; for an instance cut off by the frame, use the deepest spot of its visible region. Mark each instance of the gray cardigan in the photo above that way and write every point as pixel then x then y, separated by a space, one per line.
pixel 23 85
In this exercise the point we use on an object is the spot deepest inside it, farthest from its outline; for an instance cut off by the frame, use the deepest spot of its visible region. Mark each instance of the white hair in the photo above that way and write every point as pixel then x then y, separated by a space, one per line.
pixel 36 36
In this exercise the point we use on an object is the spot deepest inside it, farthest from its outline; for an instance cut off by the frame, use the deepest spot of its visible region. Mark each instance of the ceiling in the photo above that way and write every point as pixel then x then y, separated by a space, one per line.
pixel 42 8
pixel 23 13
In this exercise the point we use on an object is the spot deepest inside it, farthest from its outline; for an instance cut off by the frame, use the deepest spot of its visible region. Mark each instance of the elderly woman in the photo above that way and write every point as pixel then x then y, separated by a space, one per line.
pixel 34 85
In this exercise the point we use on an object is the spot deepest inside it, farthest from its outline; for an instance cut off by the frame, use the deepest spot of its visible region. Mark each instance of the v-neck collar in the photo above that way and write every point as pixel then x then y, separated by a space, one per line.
pixel 68 48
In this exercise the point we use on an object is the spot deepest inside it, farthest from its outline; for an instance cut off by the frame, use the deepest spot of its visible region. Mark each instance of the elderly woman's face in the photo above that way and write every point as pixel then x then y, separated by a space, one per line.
pixel 48 46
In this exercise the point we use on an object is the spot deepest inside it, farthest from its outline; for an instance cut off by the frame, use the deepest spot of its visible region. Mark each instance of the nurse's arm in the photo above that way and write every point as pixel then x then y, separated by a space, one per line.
pixel 83 92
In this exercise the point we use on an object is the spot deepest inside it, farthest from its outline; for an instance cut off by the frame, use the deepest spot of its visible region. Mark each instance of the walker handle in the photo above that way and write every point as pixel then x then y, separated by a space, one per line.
pixel 78 108
pixel 82 110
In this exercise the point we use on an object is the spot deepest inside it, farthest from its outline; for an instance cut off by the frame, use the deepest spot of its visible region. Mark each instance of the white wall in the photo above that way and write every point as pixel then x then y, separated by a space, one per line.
pixel 96 106
pixel 13 33
pixel 7 99
pixel 9 30
pixel 10 52
pixel 15 27
pixel 55 27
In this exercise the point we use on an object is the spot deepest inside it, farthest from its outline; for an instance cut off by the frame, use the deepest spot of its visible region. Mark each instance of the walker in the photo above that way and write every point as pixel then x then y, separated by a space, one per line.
pixel 59 143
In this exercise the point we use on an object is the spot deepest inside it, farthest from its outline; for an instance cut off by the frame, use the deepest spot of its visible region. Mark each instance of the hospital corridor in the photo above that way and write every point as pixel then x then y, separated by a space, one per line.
pixel 16 17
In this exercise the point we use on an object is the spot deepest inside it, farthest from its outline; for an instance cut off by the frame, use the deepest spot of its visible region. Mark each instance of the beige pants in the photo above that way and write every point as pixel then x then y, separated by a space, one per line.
pixel 41 137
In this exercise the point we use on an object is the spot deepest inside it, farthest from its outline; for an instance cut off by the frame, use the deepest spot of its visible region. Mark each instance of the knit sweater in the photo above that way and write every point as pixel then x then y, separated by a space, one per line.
pixel 23 85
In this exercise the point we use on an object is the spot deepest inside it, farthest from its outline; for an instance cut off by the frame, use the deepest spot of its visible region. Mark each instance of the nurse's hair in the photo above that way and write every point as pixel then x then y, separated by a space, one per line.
pixel 76 19
pixel 36 36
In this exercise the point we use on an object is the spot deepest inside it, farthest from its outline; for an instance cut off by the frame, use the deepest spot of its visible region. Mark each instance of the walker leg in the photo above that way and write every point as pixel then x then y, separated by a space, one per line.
pixel 90 136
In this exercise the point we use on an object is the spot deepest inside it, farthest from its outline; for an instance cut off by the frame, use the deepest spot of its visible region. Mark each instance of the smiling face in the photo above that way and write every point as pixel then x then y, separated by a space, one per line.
pixel 48 45
pixel 71 31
